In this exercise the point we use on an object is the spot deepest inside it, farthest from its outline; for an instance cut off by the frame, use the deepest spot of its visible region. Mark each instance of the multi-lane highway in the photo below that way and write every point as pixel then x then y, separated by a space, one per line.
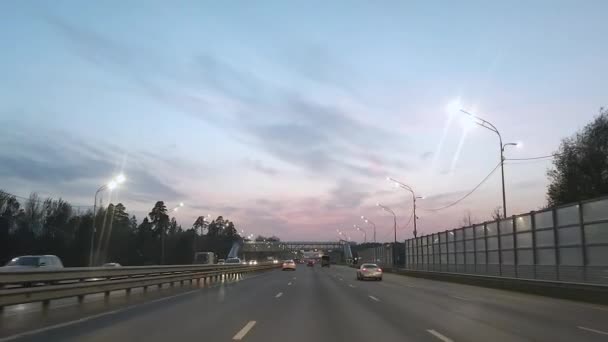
pixel 315 304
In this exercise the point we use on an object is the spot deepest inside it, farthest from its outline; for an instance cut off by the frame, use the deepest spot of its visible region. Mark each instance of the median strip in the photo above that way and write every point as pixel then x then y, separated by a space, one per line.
pixel 439 336
pixel 239 336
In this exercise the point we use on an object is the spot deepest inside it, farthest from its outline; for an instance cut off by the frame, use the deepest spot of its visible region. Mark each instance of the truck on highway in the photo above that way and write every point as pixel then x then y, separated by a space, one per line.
pixel 204 258
pixel 325 261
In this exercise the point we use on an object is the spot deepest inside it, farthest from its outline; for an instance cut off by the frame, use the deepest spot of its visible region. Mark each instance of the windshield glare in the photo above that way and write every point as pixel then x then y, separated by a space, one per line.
pixel 24 261
pixel 369 266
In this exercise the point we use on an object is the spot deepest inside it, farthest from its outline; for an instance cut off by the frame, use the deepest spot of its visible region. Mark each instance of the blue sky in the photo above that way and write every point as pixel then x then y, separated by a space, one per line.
pixel 288 117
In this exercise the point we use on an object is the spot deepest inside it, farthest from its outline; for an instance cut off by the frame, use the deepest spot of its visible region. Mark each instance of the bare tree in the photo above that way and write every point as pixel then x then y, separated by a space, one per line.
pixel 467 218
pixel 497 213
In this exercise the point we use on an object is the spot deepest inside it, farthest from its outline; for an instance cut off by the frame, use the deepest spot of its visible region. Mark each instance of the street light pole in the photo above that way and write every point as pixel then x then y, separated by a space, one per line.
pixel 111 185
pixel 489 126
pixel 394 218
pixel 162 236
pixel 414 197
pixel 101 188
pixel 368 221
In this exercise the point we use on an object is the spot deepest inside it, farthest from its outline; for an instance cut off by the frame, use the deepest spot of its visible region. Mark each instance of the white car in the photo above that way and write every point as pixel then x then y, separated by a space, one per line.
pixel 369 271
pixel 33 262
pixel 230 261
pixel 289 265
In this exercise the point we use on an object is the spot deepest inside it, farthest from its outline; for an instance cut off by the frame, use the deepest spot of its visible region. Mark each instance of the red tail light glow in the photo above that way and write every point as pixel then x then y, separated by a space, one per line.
pixel 379 270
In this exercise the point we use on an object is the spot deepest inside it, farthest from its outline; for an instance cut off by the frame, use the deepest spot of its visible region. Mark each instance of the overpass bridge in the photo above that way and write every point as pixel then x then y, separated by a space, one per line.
pixel 338 250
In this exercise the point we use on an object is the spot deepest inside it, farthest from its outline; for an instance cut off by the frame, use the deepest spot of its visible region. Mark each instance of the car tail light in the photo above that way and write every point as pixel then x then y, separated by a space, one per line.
pixel 380 270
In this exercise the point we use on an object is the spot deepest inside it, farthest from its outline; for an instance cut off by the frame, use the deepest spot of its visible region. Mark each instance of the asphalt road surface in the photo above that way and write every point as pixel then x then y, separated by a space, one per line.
pixel 321 304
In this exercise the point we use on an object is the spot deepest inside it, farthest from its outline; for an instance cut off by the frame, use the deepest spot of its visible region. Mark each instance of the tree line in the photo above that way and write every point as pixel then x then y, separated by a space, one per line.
pixel 53 226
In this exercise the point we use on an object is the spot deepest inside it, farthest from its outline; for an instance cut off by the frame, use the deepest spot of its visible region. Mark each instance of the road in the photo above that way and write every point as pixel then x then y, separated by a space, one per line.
pixel 321 304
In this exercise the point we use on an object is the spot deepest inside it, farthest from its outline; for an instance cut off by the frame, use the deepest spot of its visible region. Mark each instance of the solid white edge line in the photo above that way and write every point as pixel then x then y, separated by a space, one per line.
pixel 593 330
pixel 439 336
pixel 67 324
pixel 239 335
pixel 88 318
pixel 374 298
pixel 457 297
pixel 278 295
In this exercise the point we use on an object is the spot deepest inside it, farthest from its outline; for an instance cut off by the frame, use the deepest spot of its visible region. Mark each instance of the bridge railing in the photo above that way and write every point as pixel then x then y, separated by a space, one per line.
pixel 43 286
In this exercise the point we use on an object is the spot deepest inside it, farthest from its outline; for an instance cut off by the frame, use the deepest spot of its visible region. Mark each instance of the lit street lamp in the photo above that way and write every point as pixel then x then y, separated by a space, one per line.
pixel 368 221
pixel 394 218
pixel 363 231
pixel 110 186
pixel 181 204
pixel 162 236
pixel 489 126
pixel 414 197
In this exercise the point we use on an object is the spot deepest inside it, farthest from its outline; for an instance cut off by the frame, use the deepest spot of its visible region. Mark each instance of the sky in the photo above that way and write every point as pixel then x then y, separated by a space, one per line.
pixel 287 117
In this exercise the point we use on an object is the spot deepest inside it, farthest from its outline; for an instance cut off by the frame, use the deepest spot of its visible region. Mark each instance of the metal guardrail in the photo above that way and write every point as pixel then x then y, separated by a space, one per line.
pixel 78 282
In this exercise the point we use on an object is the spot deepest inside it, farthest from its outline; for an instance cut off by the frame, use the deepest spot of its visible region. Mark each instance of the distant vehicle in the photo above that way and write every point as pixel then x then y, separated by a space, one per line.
pixel 253 262
pixel 111 264
pixel 204 258
pixel 31 262
pixel 233 261
pixel 369 271
pixel 310 263
pixel 325 261
pixel 221 261
pixel 289 265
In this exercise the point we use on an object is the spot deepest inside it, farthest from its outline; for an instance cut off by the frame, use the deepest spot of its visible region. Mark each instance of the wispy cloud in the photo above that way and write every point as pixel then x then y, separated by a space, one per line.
pixel 259 166
pixel 59 159
pixel 293 128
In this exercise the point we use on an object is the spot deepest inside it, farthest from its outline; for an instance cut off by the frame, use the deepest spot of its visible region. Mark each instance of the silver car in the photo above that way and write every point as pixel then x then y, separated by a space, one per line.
pixel 32 262
pixel 369 271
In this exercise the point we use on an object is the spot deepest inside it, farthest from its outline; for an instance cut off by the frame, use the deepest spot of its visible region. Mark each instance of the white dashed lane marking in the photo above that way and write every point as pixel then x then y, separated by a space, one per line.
pixel 439 336
pixel 239 335
pixel 374 298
